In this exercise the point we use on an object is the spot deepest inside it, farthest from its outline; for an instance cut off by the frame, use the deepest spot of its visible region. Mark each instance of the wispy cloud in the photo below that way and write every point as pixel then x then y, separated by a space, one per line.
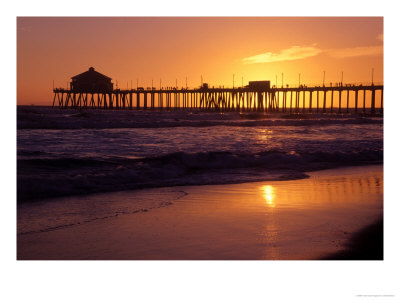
pixel 356 51
pixel 292 53
pixel 299 52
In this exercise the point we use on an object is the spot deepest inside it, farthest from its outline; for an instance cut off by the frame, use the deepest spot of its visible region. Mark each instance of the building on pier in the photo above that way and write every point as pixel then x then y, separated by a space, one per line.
pixel 91 81
pixel 260 85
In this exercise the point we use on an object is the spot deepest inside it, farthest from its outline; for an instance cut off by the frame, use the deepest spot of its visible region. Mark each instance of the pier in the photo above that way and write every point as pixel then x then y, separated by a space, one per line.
pixel 92 89
pixel 243 99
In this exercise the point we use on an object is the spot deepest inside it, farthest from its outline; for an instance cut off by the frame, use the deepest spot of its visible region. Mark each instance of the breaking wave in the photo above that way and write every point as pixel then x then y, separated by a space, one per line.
pixel 39 178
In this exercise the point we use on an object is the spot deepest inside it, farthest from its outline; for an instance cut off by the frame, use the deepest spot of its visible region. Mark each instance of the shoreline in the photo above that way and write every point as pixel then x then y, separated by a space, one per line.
pixel 270 175
pixel 306 219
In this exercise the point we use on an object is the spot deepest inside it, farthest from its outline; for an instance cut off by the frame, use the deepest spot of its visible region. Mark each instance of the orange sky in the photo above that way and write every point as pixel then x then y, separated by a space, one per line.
pixel 144 48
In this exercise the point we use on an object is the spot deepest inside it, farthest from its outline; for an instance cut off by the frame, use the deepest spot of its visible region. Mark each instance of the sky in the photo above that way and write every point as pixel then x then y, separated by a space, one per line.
pixel 224 51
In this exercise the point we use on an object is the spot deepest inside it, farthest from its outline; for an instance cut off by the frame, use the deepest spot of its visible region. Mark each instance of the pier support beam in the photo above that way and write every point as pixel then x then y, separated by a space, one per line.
pixel 160 101
pixel 99 100
pixel 123 99
pixel 277 102
pixel 284 100
pixel 356 102
pixel 110 100
pixel 137 101
pixel 373 101
pixel 116 100
pixel 364 102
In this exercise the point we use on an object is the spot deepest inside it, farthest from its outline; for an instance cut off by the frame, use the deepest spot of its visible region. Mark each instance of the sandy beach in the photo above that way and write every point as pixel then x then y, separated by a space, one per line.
pixel 310 218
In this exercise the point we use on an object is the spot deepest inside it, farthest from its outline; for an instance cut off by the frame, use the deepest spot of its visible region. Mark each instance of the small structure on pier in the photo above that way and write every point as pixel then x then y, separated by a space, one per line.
pixel 204 86
pixel 91 81
pixel 260 85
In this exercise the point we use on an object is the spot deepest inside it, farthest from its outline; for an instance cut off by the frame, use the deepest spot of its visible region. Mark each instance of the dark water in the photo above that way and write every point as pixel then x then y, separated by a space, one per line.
pixel 69 152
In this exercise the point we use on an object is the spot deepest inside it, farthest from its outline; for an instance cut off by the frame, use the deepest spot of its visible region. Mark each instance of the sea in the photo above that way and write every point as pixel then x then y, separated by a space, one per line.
pixel 68 152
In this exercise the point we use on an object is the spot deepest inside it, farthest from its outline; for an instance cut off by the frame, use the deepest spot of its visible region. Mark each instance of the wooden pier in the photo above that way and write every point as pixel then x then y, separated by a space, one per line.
pixel 302 99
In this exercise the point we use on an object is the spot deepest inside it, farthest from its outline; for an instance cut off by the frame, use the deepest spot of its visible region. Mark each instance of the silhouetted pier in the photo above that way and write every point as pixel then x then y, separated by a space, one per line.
pixel 255 99
pixel 92 89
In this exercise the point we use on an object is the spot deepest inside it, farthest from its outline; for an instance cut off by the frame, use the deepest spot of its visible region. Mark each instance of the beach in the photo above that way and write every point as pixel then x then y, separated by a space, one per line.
pixel 185 185
pixel 310 218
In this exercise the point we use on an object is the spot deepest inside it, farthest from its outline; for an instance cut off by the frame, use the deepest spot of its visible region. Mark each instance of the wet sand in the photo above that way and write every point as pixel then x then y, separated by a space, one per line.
pixel 311 218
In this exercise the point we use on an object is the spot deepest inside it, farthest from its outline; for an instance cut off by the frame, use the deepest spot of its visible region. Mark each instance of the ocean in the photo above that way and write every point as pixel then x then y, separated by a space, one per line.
pixel 65 152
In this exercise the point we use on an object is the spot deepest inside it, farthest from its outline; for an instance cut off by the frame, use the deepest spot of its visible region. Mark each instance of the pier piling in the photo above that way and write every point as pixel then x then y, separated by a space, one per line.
pixel 243 99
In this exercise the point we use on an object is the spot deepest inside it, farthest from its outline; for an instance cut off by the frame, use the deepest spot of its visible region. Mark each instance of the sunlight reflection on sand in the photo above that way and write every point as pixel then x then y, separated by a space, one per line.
pixel 298 219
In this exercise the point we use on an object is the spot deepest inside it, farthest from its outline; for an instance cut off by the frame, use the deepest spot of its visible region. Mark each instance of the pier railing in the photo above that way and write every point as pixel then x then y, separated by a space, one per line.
pixel 335 98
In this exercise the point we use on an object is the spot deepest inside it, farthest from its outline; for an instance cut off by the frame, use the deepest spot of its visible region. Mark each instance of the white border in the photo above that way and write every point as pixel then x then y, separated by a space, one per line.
pixel 203 279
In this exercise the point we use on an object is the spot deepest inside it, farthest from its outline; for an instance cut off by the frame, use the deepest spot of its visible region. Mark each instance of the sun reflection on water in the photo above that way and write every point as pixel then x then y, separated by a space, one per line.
pixel 269 195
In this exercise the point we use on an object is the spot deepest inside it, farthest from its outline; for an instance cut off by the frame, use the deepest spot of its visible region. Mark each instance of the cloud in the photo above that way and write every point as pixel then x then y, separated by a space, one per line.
pixel 356 51
pixel 380 37
pixel 292 53
pixel 299 52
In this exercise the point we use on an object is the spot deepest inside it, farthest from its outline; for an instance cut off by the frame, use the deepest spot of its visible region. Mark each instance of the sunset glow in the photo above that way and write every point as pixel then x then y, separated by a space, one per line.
pixel 169 51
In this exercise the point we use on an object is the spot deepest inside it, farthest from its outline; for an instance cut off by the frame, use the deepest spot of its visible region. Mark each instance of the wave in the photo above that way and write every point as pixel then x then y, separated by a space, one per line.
pixel 39 178
pixel 48 118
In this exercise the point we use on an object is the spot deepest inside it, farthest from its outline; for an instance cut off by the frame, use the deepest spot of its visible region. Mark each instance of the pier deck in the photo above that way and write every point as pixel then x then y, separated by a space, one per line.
pixel 325 99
